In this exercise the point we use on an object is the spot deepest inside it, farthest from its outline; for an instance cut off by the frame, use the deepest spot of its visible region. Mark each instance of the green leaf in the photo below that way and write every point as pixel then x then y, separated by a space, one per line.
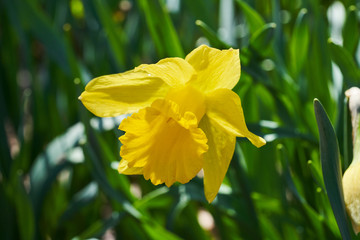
pixel 214 40
pixel 5 156
pixel 261 40
pixel 161 28
pixel 156 231
pixel 98 228
pixel 181 202
pixel 50 163
pixel 7 216
pixel 155 199
pixel 279 132
pixel 24 212
pixel 253 18
pixel 100 177
pixel 39 25
pixel 18 197
pixel 266 204
pixel 331 167
pixel 315 172
pixel 350 32
pixel 202 10
pixel 115 36
pixel 81 199
pixel 344 60
pixel 242 191
pixel 269 229
pixel 299 42
pixel 312 215
pixel 347 136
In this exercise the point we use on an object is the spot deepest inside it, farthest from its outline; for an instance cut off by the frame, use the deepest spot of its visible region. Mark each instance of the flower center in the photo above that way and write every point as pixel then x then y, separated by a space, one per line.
pixel 189 100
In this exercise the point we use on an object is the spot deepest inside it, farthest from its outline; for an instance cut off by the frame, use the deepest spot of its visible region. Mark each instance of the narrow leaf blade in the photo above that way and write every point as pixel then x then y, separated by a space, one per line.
pixel 330 162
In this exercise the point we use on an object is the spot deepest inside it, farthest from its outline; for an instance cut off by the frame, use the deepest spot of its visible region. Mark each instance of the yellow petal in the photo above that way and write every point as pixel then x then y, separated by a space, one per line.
pixel 217 158
pixel 125 169
pixel 215 68
pixel 174 71
pixel 223 106
pixel 116 94
pixel 166 144
pixel 351 188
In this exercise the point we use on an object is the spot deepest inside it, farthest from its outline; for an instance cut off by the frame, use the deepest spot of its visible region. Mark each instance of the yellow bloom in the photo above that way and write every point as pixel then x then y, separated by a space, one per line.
pixel 185 116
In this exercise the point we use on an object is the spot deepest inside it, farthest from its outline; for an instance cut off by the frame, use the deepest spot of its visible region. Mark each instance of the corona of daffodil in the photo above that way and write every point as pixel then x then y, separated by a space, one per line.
pixel 185 116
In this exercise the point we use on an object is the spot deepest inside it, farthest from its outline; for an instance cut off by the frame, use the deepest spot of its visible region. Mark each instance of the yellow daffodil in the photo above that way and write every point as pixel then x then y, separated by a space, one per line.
pixel 351 178
pixel 185 116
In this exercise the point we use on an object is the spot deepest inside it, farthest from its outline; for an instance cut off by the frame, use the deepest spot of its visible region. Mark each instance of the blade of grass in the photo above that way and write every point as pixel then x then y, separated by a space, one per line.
pixel 312 216
pixel 299 42
pixel 6 160
pixel 346 63
pixel 100 177
pixel 244 186
pixel 315 172
pixel 202 10
pixel 154 199
pixel 80 199
pixel 350 32
pixel 7 216
pixel 50 163
pixel 330 162
pixel 261 40
pixel 347 136
pixel 215 41
pixel 161 28
pixel 115 35
pixel 269 229
pixel 156 231
pixel 40 25
pixel 279 132
pixel 22 204
pixel 98 228
pixel 254 19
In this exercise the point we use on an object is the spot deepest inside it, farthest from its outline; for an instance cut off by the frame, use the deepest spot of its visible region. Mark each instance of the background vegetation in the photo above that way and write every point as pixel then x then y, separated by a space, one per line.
pixel 58 177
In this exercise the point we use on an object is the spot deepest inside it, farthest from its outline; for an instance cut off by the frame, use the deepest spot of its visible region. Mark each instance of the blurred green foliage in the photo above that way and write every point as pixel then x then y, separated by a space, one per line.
pixel 58 177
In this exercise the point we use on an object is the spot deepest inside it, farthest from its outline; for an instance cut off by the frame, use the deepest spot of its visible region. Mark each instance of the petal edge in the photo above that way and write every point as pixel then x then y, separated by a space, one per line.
pixel 230 118
pixel 215 68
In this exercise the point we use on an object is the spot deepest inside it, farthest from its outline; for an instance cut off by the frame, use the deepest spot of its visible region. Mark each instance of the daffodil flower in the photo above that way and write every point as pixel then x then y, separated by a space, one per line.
pixel 185 116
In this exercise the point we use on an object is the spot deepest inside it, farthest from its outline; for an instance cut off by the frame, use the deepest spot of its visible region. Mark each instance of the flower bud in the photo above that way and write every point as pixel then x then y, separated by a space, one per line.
pixel 351 187
pixel 351 178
